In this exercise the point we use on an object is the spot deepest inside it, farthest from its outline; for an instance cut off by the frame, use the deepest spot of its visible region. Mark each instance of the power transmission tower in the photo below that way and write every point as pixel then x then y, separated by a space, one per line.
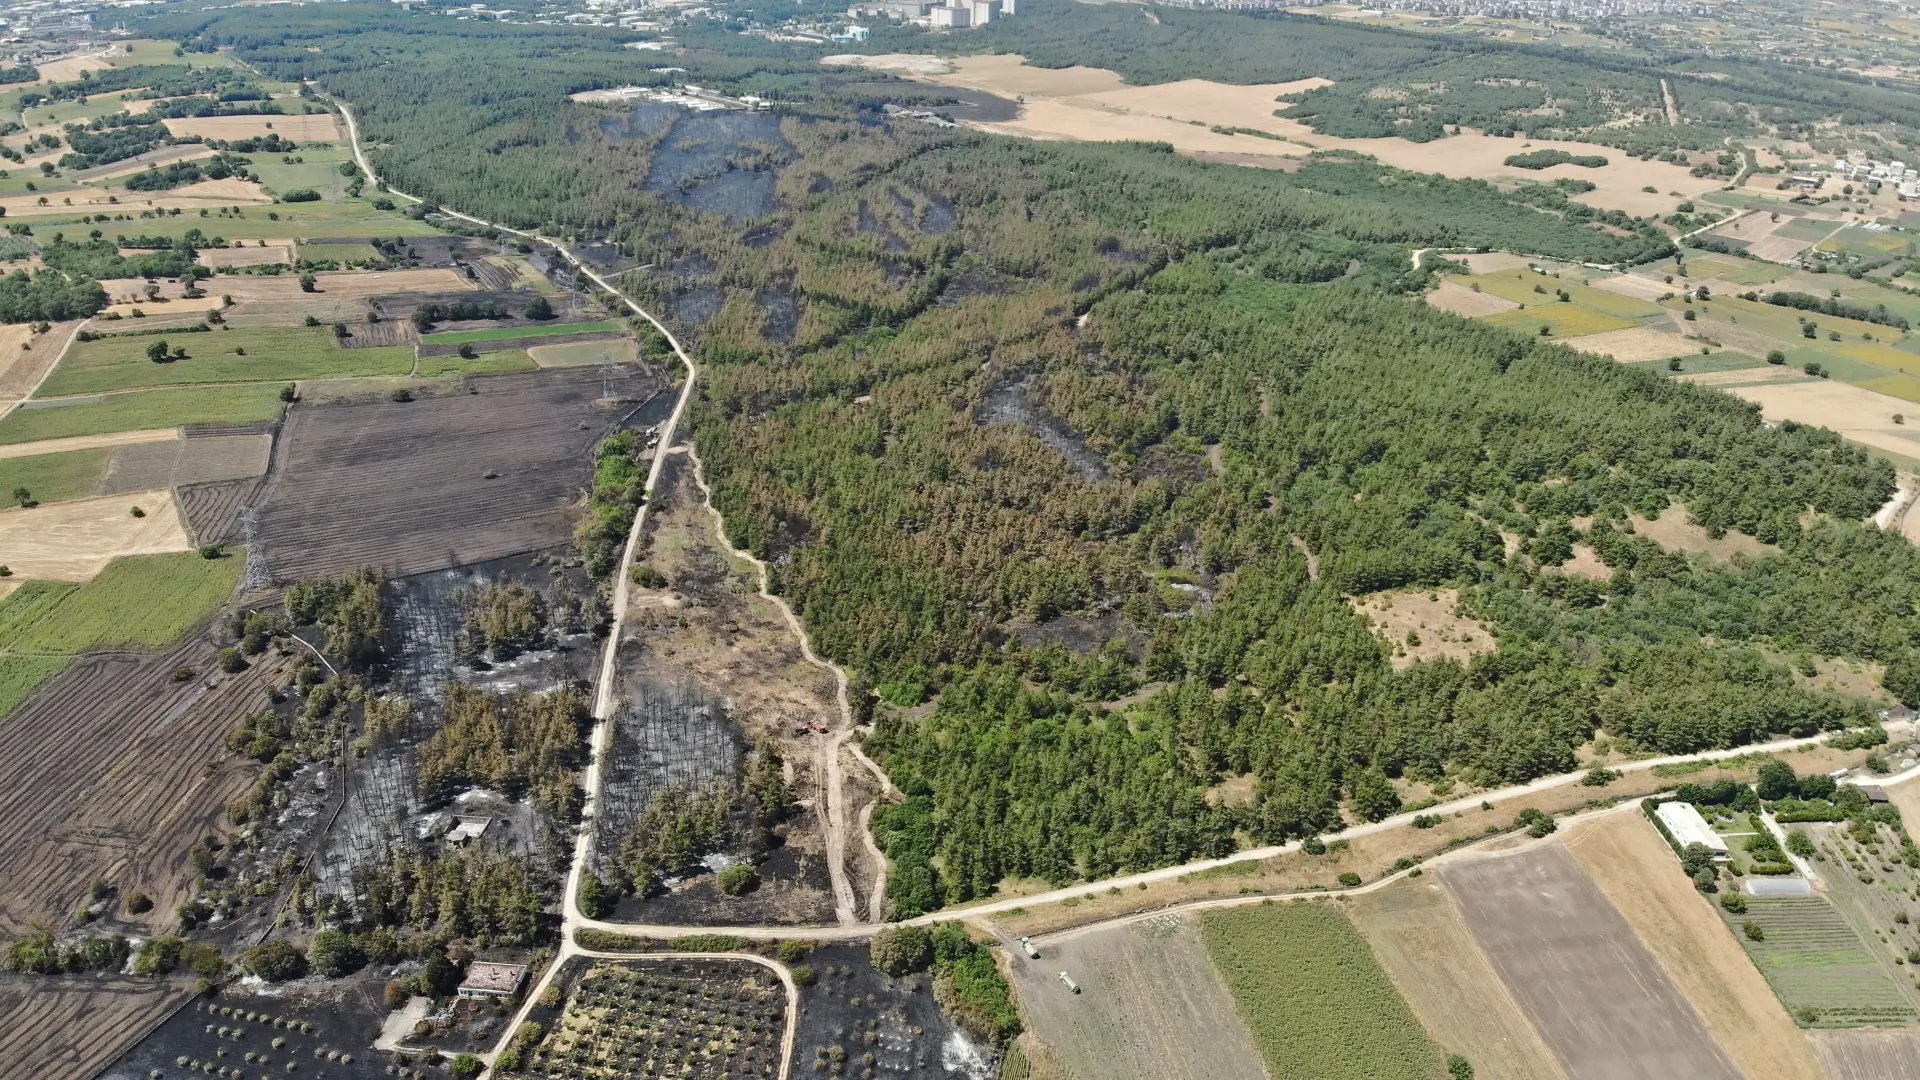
pixel 255 574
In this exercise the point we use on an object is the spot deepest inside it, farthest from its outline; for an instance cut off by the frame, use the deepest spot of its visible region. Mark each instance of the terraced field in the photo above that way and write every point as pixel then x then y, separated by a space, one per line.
pixel 1818 966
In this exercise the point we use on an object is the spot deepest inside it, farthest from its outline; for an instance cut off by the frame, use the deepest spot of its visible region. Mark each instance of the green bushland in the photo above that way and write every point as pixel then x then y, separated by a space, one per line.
pixel 271 353
pixel 71 474
pixel 1546 159
pixel 1309 992
pixel 139 411
pixel 455 337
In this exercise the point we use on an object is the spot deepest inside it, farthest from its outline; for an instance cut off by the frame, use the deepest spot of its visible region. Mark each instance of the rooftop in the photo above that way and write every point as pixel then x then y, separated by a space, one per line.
pixel 492 977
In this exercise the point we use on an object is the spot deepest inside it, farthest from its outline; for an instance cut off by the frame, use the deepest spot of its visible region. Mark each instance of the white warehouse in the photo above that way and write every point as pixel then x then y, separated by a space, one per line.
pixel 1688 827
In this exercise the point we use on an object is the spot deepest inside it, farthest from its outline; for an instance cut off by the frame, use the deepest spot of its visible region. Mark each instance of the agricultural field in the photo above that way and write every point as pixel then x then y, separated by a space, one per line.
pixel 160 408
pixel 508 333
pixel 1559 320
pixel 489 362
pixel 55 477
pixel 444 480
pixel 1869 1053
pixel 75 540
pixel 1417 934
pixel 317 1031
pixel 1580 973
pixel 1309 991
pixel 66 1026
pixel 222 356
pixel 139 601
pixel 1873 886
pixel 857 1018
pixel 1151 1005
pixel 704 1019
pixel 1637 872
pixel 1823 972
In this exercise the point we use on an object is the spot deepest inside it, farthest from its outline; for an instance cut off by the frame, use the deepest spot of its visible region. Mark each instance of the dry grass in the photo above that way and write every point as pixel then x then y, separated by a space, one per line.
pixel 897 63
pixel 1632 344
pixel 88 442
pixel 1419 938
pixel 582 353
pixel 278 251
pixel 313 127
pixel 1093 104
pixel 73 541
pixel 1633 285
pixel 1431 617
pixel 1586 563
pixel 1862 415
pixel 26 367
pixel 1869 1053
pixel 1639 875
pixel 1673 531
pixel 1461 300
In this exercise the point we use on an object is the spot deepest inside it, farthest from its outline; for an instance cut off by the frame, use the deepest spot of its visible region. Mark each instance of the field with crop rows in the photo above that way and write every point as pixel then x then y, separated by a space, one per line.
pixel 703 1019
pixel 1564 320
pixel 167 407
pixel 1309 991
pixel 1822 971
pixel 252 354
pixel 53 477
pixel 505 333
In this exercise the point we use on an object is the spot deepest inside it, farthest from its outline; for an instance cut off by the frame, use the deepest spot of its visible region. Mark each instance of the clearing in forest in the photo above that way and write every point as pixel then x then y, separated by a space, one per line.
pixel 1425 625
pixel 1151 1005
pixel 1674 530
pixel 1636 870
pixel 1592 990
pixel 1419 937
pixel 1460 299
pixel 1309 991
pixel 73 541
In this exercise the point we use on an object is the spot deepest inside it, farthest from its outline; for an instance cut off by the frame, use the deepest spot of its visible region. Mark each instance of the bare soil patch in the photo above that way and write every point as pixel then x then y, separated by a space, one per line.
pixel 1424 626
pixel 581 354
pixel 1010 74
pixel 1457 298
pixel 1487 262
pixel 73 541
pixel 29 365
pixel 1586 563
pixel 1631 345
pixel 345 284
pixel 313 127
pixel 1745 377
pixel 1151 1006
pixel 1672 530
pixel 1633 285
pixel 1420 939
pixel 1869 1053
pixel 1592 990
pixel 898 63
pixel 66 1026
pixel 442 481
pixel 1633 866
pixel 154 465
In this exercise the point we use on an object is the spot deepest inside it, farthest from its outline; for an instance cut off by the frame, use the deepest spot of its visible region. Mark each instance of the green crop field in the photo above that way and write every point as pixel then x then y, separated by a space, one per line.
pixel 1720 361
pixel 317 169
pixel 1821 970
pixel 1309 991
pixel 1738 271
pixel 1862 241
pixel 73 112
pixel 487 363
pixel 354 217
pixel 1810 229
pixel 340 253
pixel 54 477
pixel 168 407
pixel 137 601
pixel 510 333
pixel 22 675
pixel 252 354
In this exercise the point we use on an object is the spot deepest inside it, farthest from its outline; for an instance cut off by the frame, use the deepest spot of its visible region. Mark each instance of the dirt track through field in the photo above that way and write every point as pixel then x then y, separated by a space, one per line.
pixel 1592 990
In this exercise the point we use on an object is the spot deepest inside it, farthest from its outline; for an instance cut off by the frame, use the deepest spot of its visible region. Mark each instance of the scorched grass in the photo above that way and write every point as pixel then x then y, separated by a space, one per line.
pixel 1313 997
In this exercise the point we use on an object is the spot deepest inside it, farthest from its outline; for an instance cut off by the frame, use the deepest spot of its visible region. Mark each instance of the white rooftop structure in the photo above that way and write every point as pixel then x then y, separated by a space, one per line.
pixel 1780 886
pixel 1688 827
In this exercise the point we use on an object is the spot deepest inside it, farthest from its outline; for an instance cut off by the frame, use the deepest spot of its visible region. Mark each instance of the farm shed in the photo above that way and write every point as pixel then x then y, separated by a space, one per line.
pixel 467 828
pixel 1688 827
pixel 485 979
pixel 1875 794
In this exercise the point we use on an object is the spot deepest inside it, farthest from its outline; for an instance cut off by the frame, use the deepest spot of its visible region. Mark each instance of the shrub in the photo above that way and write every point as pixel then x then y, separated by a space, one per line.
pixel 1349 879
pixel 1753 930
pixel 1800 843
pixel 1537 823
pixel 465 1067
pixel 274 961
pixel 900 950
pixel 647 577
pixel 300 195
pixel 334 954
pixel 737 880
pixel 231 661
pixel 539 309
pixel 1459 1068
pixel 395 995
pixel 1734 903
pixel 793 950
pixel 803 975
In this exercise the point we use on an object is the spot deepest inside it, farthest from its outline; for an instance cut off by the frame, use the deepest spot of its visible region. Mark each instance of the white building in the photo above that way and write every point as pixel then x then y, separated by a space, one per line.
pixel 952 18
pixel 1689 828
pixel 985 11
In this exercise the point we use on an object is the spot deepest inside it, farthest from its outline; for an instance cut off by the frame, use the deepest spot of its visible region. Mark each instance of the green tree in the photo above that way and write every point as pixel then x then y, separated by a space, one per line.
pixel 309 283
pixel 1776 780
pixel 1902 679
pixel 539 309
pixel 274 961
pixel 900 950
pixel 1459 1068
pixel 334 953
pixel 737 880
pixel 1374 797
pixel 157 352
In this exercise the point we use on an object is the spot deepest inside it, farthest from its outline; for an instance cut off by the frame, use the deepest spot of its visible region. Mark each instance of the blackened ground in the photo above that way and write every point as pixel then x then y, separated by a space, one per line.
pixel 854 1009
pixel 795 889
pixel 343 1016
pixel 442 481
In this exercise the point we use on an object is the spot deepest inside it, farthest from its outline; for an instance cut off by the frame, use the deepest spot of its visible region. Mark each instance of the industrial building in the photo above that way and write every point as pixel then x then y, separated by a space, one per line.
pixel 1689 828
